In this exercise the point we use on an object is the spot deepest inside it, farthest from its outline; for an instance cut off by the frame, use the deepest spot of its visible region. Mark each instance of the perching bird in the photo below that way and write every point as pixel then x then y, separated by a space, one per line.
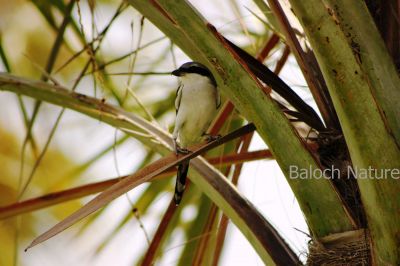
pixel 197 102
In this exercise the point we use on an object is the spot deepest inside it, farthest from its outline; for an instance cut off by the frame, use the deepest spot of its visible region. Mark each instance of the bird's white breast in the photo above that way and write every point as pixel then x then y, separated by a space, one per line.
pixel 197 109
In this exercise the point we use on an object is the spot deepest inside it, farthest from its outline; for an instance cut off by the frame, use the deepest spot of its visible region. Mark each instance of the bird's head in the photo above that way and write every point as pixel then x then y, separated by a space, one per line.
pixel 194 68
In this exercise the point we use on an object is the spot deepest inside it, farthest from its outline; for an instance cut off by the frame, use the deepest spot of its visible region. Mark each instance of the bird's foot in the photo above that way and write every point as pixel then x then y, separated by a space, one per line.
pixel 210 138
pixel 179 150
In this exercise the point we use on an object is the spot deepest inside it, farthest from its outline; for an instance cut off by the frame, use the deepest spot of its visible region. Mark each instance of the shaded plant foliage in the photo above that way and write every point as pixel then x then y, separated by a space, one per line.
pixel 330 207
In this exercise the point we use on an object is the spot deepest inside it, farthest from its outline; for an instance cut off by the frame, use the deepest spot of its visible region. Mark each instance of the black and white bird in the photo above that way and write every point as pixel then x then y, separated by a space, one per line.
pixel 197 103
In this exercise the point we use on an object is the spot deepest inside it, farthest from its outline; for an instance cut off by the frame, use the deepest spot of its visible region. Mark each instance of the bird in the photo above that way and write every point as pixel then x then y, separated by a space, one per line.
pixel 197 103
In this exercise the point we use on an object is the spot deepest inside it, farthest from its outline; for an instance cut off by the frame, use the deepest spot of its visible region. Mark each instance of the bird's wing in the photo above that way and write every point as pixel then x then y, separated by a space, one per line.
pixel 217 98
pixel 178 97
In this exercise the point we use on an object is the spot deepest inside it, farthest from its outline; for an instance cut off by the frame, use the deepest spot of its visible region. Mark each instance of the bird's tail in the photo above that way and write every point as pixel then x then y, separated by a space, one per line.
pixel 180 181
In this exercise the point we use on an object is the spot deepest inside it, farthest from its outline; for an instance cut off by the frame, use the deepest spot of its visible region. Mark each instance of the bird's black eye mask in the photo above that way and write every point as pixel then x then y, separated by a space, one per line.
pixel 197 70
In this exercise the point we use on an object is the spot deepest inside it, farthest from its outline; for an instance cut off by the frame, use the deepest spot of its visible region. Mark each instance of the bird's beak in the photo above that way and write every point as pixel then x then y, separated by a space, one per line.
pixel 176 72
